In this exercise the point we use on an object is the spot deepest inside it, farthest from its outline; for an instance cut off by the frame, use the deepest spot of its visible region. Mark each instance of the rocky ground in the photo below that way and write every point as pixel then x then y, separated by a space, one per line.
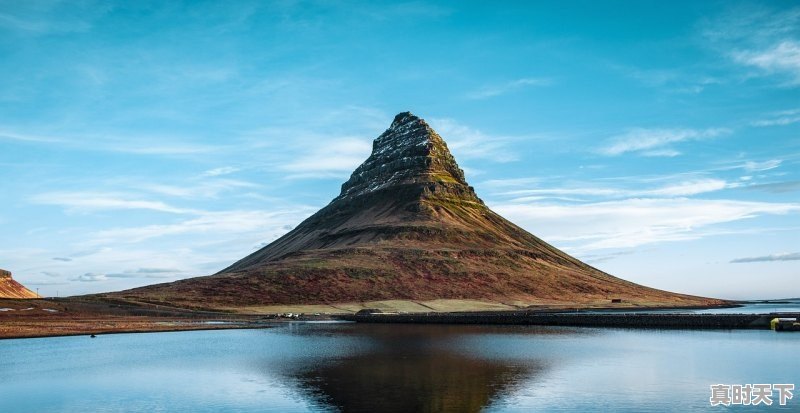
pixel 84 316
pixel 45 317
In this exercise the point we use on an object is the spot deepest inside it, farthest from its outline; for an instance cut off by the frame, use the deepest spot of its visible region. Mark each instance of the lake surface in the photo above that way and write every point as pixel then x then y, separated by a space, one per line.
pixel 402 368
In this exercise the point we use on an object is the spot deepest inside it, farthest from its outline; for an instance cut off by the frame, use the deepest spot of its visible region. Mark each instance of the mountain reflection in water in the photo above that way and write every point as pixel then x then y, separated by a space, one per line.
pixel 410 368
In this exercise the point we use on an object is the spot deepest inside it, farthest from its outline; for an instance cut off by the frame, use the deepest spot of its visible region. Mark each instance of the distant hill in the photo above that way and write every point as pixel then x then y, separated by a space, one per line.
pixel 12 289
pixel 407 226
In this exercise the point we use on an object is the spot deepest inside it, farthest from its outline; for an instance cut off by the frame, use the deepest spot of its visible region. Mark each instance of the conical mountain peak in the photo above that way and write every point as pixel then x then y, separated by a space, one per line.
pixel 410 152
pixel 406 226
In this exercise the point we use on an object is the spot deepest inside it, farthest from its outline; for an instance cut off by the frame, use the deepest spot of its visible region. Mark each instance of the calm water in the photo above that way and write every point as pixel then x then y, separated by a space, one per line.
pixel 403 368
pixel 789 306
pixel 758 308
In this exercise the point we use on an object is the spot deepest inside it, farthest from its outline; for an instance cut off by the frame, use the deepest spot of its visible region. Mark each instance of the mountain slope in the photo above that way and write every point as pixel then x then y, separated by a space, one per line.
pixel 406 226
pixel 12 289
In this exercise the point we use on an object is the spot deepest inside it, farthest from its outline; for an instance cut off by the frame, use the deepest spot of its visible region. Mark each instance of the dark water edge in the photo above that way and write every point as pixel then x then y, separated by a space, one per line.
pixel 620 320
pixel 745 316
pixel 404 368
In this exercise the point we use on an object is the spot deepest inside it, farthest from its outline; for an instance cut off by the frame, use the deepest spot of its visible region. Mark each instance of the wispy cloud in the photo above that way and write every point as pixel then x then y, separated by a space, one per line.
pixel 656 142
pixel 207 188
pixel 689 188
pixel 512 182
pixel 224 170
pixel 508 87
pixel 90 277
pixel 468 143
pixel 782 118
pixel 679 189
pixel 759 37
pixel 134 145
pixel 89 201
pixel 782 58
pixel 330 157
pixel 670 80
pixel 753 166
pixel 51 17
pixel 777 187
pixel 794 256
pixel 216 223
pixel 151 270
pixel 23 137
pixel 633 222
pixel 147 273
pixel 603 257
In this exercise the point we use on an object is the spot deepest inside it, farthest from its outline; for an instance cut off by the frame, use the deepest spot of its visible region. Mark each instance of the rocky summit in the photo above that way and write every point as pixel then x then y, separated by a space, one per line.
pixel 407 226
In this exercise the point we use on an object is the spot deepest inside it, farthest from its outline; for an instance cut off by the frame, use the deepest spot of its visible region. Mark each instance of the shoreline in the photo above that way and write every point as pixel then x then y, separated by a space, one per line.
pixel 567 310
pixel 138 331
pixel 655 320
pixel 100 318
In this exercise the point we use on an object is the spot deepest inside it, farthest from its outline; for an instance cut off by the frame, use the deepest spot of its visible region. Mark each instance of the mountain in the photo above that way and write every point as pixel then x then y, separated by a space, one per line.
pixel 12 289
pixel 406 226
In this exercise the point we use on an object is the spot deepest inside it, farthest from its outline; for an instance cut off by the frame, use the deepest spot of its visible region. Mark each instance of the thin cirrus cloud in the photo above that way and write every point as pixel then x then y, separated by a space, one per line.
pixel 90 202
pixel 224 170
pixel 753 166
pixel 777 187
pixel 199 245
pixel 139 145
pixel 782 118
pixel 656 142
pixel 115 264
pixel 469 143
pixel 633 222
pixel 696 187
pixel 783 58
pixel 331 158
pixel 686 188
pixel 508 87
pixel 670 80
pixel 9 135
pixel 794 256
pixel 213 223
pixel 206 189
pixel 763 38
pixel 90 277
pixel 41 18
pixel 147 273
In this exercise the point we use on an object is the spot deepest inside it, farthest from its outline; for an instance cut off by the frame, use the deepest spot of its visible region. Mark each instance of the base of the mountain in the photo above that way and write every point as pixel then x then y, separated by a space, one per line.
pixel 98 315
pixel 415 306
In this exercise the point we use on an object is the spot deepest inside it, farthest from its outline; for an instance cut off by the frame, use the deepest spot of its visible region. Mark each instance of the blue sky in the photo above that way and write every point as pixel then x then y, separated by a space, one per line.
pixel 144 142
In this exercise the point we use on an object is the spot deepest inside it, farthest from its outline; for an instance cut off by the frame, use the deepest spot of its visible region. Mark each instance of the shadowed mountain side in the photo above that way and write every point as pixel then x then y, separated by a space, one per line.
pixel 406 226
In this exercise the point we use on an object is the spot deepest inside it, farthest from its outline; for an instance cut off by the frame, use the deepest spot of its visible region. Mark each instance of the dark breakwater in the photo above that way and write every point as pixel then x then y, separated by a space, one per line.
pixel 629 320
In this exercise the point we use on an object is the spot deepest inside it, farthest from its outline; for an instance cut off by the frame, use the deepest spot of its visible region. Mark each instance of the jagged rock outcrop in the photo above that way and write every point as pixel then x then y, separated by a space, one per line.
pixel 409 153
pixel 9 288
pixel 406 226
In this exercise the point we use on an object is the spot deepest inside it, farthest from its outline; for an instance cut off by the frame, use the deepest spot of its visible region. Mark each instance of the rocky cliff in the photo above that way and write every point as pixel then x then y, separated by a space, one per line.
pixel 12 289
